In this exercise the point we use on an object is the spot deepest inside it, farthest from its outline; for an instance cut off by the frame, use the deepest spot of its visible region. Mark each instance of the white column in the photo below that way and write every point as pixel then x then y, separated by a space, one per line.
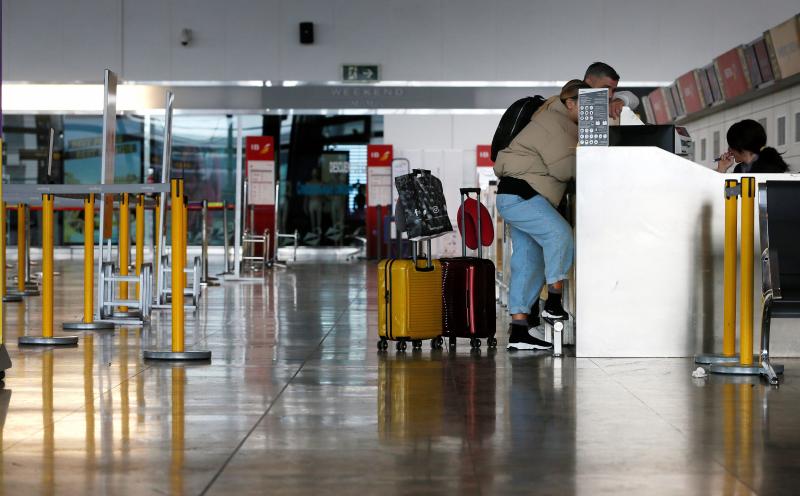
pixel 237 239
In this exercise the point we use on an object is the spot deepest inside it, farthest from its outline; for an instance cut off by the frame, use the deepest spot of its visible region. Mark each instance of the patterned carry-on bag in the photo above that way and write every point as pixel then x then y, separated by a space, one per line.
pixel 468 292
pixel 410 301
pixel 423 207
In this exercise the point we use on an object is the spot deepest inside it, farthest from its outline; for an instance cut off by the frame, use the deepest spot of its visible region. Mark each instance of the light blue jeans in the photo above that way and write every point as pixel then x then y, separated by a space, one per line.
pixel 543 248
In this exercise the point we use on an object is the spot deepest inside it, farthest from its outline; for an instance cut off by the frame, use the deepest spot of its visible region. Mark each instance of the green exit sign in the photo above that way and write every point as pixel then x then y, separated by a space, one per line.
pixel 361 73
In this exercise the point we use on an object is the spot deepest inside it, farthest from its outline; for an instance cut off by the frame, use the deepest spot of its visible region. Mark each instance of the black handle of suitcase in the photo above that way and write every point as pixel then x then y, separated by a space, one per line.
pixel 465 192
pixel 414 256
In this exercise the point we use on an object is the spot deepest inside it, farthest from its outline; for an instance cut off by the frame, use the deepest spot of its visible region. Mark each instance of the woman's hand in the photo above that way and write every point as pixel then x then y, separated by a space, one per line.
pixel 725 162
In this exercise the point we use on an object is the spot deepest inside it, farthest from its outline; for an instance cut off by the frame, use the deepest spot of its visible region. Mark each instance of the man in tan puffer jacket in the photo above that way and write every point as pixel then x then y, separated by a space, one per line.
pixel 534 171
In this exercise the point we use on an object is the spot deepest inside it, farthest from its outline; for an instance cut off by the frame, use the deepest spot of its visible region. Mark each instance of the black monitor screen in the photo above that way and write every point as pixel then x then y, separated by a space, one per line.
pixel 661 136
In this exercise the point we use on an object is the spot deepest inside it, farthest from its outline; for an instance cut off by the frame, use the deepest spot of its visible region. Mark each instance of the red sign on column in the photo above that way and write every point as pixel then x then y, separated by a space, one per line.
pixel 379 155
pixel 484 156
pixel 260 172
pixel 379 195
pixel 259 148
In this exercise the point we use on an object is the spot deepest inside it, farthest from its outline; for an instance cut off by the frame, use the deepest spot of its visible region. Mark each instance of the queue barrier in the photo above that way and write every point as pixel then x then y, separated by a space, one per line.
pixel 745 362
pixel 178 350
pixel 47 338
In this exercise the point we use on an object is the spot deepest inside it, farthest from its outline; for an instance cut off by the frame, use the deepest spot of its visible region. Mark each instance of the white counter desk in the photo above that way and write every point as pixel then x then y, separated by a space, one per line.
pixel 649 246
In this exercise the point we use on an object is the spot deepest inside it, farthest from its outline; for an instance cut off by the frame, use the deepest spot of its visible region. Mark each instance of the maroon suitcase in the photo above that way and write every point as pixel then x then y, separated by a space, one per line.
pixel 468 295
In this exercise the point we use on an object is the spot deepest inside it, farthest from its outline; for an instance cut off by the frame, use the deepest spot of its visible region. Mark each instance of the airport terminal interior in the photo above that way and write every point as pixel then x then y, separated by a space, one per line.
pixel 284 247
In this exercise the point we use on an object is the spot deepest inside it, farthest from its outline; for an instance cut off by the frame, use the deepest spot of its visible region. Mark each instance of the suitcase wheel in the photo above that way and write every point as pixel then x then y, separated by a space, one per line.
pixel 491 342
pixel 437 343
pixel 475 342
pixel 383 344
pixel 401 346
pixel 416 344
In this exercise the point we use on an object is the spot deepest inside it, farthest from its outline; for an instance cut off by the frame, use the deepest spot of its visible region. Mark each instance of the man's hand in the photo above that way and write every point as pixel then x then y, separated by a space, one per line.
pixel 615 108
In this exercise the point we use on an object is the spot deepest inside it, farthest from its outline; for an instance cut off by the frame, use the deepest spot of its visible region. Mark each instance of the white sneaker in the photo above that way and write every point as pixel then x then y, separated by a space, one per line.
pixel 538 333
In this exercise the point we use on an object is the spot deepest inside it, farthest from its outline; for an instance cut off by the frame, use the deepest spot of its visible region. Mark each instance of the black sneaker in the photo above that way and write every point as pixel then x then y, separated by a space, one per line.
pixel 533 316
pixel 553 309
pixel 521 339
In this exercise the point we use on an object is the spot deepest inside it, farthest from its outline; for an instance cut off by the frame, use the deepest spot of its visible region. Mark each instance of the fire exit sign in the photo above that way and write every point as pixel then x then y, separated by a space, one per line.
pixel 361 73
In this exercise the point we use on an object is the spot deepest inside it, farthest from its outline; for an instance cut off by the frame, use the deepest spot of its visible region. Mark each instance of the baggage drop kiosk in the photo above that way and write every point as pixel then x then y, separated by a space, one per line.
pixel 649 256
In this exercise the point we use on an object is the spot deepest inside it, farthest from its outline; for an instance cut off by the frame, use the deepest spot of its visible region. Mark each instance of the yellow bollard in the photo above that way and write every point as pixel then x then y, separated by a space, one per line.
pixel 178 254
pixel 21 250
pixel 47 266
pixel 88 323
pixel 178 260
pixel 47 337
pixel 124 245
pixel 746 297
pixel 728 356
pixel 139 239
pixel 88 259
pixel 729 273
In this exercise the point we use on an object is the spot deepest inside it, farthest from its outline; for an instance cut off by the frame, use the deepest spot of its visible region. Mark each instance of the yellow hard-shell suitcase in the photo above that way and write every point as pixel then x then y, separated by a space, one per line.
pixel 409 302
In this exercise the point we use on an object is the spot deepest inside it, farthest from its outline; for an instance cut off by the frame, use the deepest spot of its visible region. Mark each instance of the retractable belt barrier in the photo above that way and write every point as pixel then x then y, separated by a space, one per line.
pixel 728 362
pixel 178 350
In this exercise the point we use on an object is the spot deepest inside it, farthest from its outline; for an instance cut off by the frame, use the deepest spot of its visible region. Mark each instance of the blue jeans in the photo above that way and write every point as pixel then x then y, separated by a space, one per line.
pixel 543 248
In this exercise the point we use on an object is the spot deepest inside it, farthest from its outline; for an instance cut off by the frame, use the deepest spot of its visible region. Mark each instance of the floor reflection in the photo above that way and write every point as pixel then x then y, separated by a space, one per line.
pixel 297 401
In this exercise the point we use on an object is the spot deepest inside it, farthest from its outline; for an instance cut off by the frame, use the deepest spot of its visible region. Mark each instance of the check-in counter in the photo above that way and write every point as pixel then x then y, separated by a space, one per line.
pixel 649 250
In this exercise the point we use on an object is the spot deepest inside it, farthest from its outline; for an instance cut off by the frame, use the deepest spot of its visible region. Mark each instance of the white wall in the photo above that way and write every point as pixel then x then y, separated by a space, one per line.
pixel 57 40
pixel 785 103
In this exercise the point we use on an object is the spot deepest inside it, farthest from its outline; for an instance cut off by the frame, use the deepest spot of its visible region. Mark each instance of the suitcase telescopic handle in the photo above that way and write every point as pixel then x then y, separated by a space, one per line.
pixel 465 192
pixel 429 266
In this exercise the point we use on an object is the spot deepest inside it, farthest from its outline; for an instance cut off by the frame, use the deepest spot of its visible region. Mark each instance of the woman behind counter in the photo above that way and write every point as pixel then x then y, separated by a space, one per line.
pixel 747 148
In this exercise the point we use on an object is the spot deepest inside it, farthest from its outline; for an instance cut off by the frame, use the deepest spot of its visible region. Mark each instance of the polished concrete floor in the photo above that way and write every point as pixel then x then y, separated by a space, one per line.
pixel 297 400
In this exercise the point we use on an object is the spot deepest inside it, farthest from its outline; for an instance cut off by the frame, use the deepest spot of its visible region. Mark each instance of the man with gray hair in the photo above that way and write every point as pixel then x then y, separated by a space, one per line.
pixel 602 75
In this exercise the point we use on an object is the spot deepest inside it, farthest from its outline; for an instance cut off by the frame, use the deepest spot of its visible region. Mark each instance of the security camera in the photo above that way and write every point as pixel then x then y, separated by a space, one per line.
pixel 186 36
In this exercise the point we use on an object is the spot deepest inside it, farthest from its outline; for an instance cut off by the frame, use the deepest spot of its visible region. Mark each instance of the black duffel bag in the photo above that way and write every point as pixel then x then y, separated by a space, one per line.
pixel 423 210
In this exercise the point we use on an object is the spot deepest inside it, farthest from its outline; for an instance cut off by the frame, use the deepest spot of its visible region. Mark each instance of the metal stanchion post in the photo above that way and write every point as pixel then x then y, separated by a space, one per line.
pixel 124 248
pixel 7 297
pixel 732 193
pixel 178 351
pixel 88 323
pixel 47 337
pixel 379 234
pixel 225 241
pixel 139 240
pixel 184 240
pixel 157 241
pixel 29 284
pixel 205 281
pixel 22 252
pixel 745 364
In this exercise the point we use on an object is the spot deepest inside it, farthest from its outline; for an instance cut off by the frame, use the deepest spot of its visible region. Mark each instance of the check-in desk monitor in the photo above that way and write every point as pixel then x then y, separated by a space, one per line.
pixel 674 139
